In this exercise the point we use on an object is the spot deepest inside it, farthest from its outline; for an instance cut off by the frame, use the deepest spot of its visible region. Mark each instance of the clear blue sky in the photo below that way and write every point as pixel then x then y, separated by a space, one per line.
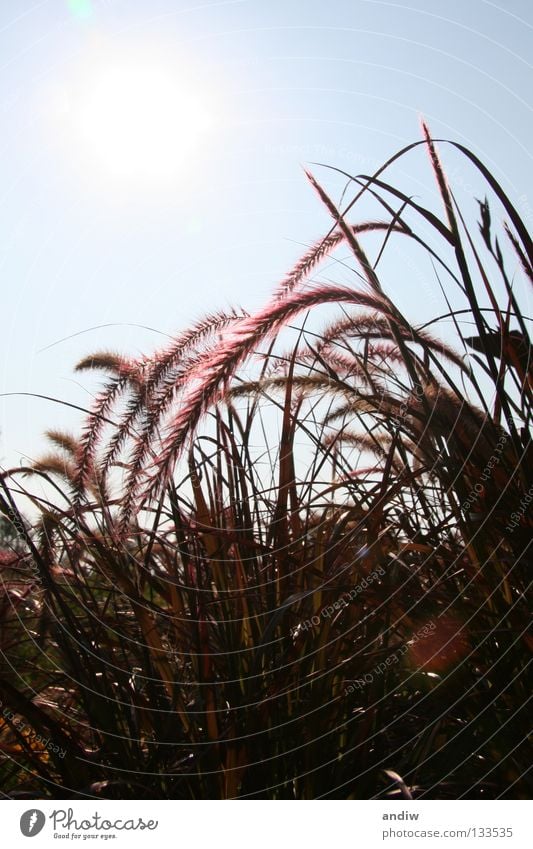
pixel 283 83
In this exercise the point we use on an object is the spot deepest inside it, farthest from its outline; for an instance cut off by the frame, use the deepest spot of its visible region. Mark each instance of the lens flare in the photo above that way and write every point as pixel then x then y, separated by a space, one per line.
pixel 80 8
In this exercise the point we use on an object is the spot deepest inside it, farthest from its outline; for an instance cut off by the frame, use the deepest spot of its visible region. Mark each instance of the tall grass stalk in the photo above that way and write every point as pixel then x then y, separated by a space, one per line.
pixel 289 560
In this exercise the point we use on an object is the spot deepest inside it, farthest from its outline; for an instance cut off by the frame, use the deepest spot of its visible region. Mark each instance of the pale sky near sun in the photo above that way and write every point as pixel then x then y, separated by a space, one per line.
pixel 152 156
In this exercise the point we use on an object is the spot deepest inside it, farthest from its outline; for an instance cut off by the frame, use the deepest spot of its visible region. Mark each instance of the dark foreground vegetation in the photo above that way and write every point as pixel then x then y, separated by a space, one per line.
pixel 287 556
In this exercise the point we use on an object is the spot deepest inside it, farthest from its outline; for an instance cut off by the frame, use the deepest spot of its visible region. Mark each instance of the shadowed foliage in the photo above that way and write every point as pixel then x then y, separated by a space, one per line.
pixel 291 561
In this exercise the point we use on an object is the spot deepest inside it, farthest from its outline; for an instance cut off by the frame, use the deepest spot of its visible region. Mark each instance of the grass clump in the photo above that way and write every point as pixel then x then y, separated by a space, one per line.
pixel 288 558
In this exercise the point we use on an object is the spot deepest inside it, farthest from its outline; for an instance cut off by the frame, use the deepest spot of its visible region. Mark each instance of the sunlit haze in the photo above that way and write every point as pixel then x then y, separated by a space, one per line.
pixel 140 122
pixel 152 157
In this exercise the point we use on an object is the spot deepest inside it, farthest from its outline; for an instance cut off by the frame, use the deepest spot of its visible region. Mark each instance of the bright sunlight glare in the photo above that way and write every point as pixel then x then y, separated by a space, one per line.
pixel 140 122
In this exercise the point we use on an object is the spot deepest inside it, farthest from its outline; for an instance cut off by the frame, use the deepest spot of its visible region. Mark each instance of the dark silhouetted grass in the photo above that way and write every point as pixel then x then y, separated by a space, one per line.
pixel 291 561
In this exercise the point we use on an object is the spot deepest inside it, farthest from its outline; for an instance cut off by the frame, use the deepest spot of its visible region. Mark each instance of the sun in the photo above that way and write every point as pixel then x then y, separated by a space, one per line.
pixel 140 121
